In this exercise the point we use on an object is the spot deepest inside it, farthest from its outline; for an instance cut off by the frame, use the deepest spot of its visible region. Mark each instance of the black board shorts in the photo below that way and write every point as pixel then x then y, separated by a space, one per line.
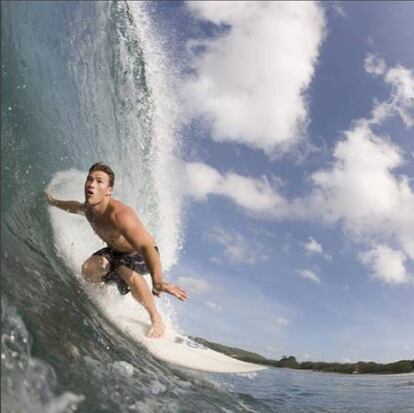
pixel 134 262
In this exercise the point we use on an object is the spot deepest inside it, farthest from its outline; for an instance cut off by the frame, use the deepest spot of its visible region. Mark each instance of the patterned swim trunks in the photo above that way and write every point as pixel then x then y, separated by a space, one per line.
pixel 134 261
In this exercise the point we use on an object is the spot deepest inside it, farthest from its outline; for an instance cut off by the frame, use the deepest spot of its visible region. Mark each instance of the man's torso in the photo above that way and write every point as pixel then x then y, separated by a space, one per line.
pixel 105 228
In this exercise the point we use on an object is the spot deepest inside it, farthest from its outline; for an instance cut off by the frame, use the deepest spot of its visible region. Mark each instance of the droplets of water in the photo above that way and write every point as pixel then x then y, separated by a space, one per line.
pixel 124 368
pixel 157 387
pixel 27 383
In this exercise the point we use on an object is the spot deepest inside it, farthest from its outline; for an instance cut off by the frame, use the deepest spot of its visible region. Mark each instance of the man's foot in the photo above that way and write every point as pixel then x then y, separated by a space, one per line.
pixel 156 331
pixel 157 328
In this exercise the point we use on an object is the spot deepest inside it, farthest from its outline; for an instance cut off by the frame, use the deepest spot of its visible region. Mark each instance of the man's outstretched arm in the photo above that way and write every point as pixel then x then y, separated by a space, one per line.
pixel 74 207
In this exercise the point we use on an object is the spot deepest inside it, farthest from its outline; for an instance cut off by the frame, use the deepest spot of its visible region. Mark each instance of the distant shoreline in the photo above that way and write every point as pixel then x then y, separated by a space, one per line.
pixel 398 368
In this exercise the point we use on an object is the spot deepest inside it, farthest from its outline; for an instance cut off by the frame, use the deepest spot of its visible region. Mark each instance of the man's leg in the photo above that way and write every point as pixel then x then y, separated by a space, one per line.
pixel 94 268
pixel 141 292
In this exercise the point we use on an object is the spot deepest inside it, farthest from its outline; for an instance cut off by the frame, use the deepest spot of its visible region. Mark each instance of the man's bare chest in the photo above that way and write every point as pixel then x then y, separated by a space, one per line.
pixel 105 229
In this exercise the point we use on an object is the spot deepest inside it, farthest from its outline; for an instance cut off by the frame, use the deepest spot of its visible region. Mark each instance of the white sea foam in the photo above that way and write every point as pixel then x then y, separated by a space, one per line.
pixel 157 387
pixel 124 368
pixel 66 402
pixel 166 119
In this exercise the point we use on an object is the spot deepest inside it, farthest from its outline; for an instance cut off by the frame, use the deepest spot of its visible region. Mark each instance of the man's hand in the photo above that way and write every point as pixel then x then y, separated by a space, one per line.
pixel 171 289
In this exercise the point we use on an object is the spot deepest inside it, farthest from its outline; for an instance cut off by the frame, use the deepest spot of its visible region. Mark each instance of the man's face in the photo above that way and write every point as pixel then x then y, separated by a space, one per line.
pixel 97 187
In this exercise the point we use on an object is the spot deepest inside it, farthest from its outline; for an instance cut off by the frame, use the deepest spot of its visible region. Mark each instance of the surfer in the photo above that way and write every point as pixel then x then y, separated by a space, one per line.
pixel 131 251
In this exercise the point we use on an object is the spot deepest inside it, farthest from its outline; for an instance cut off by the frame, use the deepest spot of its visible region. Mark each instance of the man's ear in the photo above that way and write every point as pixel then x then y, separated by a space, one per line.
pixel 109 192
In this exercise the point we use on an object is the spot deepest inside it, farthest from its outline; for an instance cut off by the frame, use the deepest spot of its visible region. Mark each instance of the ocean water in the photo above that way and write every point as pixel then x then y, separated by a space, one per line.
pixel 88 81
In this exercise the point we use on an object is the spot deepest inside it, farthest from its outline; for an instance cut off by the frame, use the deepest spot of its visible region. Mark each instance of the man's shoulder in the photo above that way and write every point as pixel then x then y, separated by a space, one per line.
pixel 120 210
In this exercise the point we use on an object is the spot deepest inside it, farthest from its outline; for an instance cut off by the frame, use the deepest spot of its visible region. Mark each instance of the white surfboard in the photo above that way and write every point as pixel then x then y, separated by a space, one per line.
pixel 172 347
pixel 181 351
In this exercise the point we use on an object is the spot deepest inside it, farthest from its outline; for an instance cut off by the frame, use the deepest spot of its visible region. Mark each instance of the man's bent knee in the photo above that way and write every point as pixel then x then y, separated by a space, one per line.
pixel 94 268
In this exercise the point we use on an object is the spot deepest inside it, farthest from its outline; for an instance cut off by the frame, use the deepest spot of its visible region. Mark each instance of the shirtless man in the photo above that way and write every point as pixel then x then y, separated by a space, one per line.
pixel 130 251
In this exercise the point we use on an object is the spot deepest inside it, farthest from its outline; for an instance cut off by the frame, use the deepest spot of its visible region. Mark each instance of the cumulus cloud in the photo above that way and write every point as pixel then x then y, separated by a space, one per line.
pixel 195 285
pixel 202 180
pixel 249 83
pixel 255 195
pixel 214 306
pixel 238 249
pixel 401 101
pixel 272 349
pixel 277 324
pixel 387 264
pixel 313 247
pixel 374 64
pixel 359 189
pixel 338 9
pixel 305 357
pixel 310 275
pixel 281 322
pixel 401 80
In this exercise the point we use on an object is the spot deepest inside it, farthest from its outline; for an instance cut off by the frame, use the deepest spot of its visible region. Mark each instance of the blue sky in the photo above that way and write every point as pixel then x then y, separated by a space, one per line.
pixel 298 148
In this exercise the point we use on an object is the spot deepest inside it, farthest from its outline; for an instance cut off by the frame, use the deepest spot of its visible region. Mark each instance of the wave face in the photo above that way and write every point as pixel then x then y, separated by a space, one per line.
pixel 81 82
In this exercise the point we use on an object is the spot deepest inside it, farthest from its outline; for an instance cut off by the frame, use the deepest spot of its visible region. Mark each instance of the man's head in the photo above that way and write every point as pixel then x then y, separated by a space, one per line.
pixel 99 183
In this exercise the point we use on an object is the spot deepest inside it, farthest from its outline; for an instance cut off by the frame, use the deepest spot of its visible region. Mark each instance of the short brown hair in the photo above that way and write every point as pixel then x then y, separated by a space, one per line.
pixel 99 166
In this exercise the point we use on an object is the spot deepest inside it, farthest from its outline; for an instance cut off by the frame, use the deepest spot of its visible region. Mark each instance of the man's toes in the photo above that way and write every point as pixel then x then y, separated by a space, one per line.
pixel 153 333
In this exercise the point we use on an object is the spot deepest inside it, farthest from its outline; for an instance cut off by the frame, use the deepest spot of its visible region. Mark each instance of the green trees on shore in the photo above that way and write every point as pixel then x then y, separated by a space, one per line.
pixel 361 367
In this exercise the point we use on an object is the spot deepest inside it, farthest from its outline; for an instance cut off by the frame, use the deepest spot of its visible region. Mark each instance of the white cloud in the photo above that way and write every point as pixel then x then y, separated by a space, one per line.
pixel 401 101
pixel 388 264
pixel 281 322
pixel 255 195
pixel 401 80
pixel 305 357
pixel 195 285
pixel 339 10
pixel 239 249
pixel 374 64
pixel 216 260
pixel 249 84
pixel 310 275
pixel 214 306
pixel 272 349
pixel 359 188
pixel 202 180
pixel 313 247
